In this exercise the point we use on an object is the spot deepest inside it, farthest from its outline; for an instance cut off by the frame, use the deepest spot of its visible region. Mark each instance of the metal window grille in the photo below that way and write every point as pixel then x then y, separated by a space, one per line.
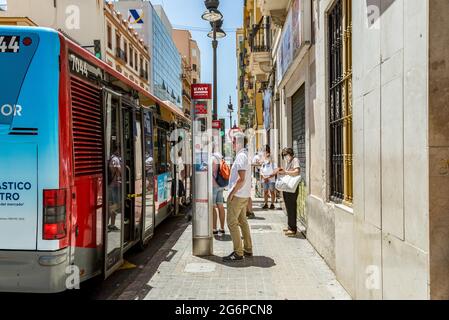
pixel 340 101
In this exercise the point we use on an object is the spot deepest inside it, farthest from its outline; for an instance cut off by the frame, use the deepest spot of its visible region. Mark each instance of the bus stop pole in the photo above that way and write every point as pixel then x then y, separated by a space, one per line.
pixel 202 244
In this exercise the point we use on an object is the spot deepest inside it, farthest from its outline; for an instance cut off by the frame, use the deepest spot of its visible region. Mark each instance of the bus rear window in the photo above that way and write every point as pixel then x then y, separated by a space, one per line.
pixel 17 50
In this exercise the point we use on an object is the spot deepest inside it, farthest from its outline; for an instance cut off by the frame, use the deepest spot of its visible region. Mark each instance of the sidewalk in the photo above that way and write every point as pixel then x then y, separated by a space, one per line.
pixel 282 268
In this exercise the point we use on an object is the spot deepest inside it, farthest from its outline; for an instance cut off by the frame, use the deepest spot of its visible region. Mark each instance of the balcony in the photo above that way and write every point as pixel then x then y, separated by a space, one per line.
pixel 120 53
pixel 186 95
pixel 260 40
pixel 143 74
pixel 277 9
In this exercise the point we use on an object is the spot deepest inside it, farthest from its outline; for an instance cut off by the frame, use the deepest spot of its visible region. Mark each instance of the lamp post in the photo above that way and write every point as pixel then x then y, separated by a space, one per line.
pixel 230 110
pixel 215 17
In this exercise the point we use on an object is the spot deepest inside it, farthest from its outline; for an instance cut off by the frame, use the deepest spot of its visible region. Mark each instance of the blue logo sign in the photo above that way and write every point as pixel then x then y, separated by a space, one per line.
pixel 135 17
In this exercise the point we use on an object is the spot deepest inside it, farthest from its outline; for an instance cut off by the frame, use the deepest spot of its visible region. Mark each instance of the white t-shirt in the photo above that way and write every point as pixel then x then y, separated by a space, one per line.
pixel 267 169
pixel 257 159
pixel 241 163
pixel 180 164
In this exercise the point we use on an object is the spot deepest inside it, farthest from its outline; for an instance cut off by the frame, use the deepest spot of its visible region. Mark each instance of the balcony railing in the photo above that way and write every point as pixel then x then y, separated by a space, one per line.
pixel 120 53
pixel 260 38
pixel 143 74
pixel 185 94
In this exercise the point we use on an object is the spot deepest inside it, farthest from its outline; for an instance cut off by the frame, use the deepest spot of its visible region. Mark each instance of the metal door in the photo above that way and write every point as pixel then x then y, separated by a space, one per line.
pixel 299 146
pixel 114 186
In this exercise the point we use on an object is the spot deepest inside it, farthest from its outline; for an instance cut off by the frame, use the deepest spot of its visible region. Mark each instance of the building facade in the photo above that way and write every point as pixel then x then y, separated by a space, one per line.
pixel 186 86
pixel 254 44
pixel 126 51
pixel 358 94
pixel 189 49
pixel 191 64
pixel 167 73
pixel 118 42
pixel 152 24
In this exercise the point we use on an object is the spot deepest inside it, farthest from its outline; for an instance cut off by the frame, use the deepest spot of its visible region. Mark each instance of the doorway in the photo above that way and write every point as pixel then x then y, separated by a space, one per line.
pixel 299 146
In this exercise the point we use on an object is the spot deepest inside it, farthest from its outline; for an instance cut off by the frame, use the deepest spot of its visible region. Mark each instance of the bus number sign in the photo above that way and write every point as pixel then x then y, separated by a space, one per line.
pixel 82 68
pixel 78 66
pixel 9 44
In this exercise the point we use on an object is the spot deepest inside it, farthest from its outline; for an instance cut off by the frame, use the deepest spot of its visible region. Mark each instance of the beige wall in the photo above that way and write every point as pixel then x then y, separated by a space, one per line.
pixel 63 16
pixel 186 45
pixel 390 148
pixel 439 148
pixel 182 41
pixel 196 60
pixel 378 249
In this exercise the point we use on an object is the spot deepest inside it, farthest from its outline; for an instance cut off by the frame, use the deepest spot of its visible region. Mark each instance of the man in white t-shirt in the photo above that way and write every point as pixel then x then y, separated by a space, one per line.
pixel 239 194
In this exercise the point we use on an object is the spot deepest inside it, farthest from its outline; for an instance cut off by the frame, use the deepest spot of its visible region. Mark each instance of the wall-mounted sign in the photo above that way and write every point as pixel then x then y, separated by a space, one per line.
pixel 294 34
pixel 216 124
pixel 136 18
pixel 200 108
pixel 201 91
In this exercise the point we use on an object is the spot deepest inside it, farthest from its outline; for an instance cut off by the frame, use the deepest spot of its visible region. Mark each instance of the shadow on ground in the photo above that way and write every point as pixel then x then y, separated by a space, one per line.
pixel 256 261
pixel 225 238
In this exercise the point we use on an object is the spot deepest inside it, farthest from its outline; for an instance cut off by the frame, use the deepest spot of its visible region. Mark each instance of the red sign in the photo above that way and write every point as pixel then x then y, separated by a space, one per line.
pixel 201 91
pixel 200 108
pixel 233 131
pixel 216 124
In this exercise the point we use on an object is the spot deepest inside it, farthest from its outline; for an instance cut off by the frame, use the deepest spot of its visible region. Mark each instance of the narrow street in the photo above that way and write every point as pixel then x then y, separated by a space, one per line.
pixel 282 268
pixel 124 125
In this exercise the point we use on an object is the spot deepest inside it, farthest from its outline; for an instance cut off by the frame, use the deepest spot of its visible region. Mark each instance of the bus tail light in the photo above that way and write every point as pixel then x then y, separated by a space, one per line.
pixel 55 214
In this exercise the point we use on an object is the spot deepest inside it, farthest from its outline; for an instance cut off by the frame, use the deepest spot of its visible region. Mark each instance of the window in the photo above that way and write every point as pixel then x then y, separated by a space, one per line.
pixel 147 76
pixel 4 5
pixel 131 57
pixel 194 67
pixel 194 81
pixel 118 40
pixel 194 52
pixel 125 48
pixel 136 66
pixel 109 36
pixel 141 67
pixel 340 101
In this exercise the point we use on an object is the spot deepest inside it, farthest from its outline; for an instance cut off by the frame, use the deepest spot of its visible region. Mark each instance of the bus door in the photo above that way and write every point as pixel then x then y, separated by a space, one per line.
pixel 115 182
pixel 129 139
pixel 149 165
pixel 139 178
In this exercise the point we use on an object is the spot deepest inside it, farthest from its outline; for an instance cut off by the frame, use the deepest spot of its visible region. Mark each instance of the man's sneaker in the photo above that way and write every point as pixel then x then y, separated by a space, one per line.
pixel 250 215
pixel 233 257
pixel 215 232
pixel 221 233
pixel 247 254
pixel 291 233
pixel 265 206
pixel 272 207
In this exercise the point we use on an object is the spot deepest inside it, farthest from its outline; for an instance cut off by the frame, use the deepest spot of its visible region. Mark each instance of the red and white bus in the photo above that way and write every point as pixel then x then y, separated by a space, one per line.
pixel 85 170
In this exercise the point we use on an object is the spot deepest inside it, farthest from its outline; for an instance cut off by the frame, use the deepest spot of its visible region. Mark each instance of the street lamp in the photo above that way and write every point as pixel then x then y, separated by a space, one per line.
pixel 212 14
pixel 219 33
pixel 215 17
pixel 230 110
